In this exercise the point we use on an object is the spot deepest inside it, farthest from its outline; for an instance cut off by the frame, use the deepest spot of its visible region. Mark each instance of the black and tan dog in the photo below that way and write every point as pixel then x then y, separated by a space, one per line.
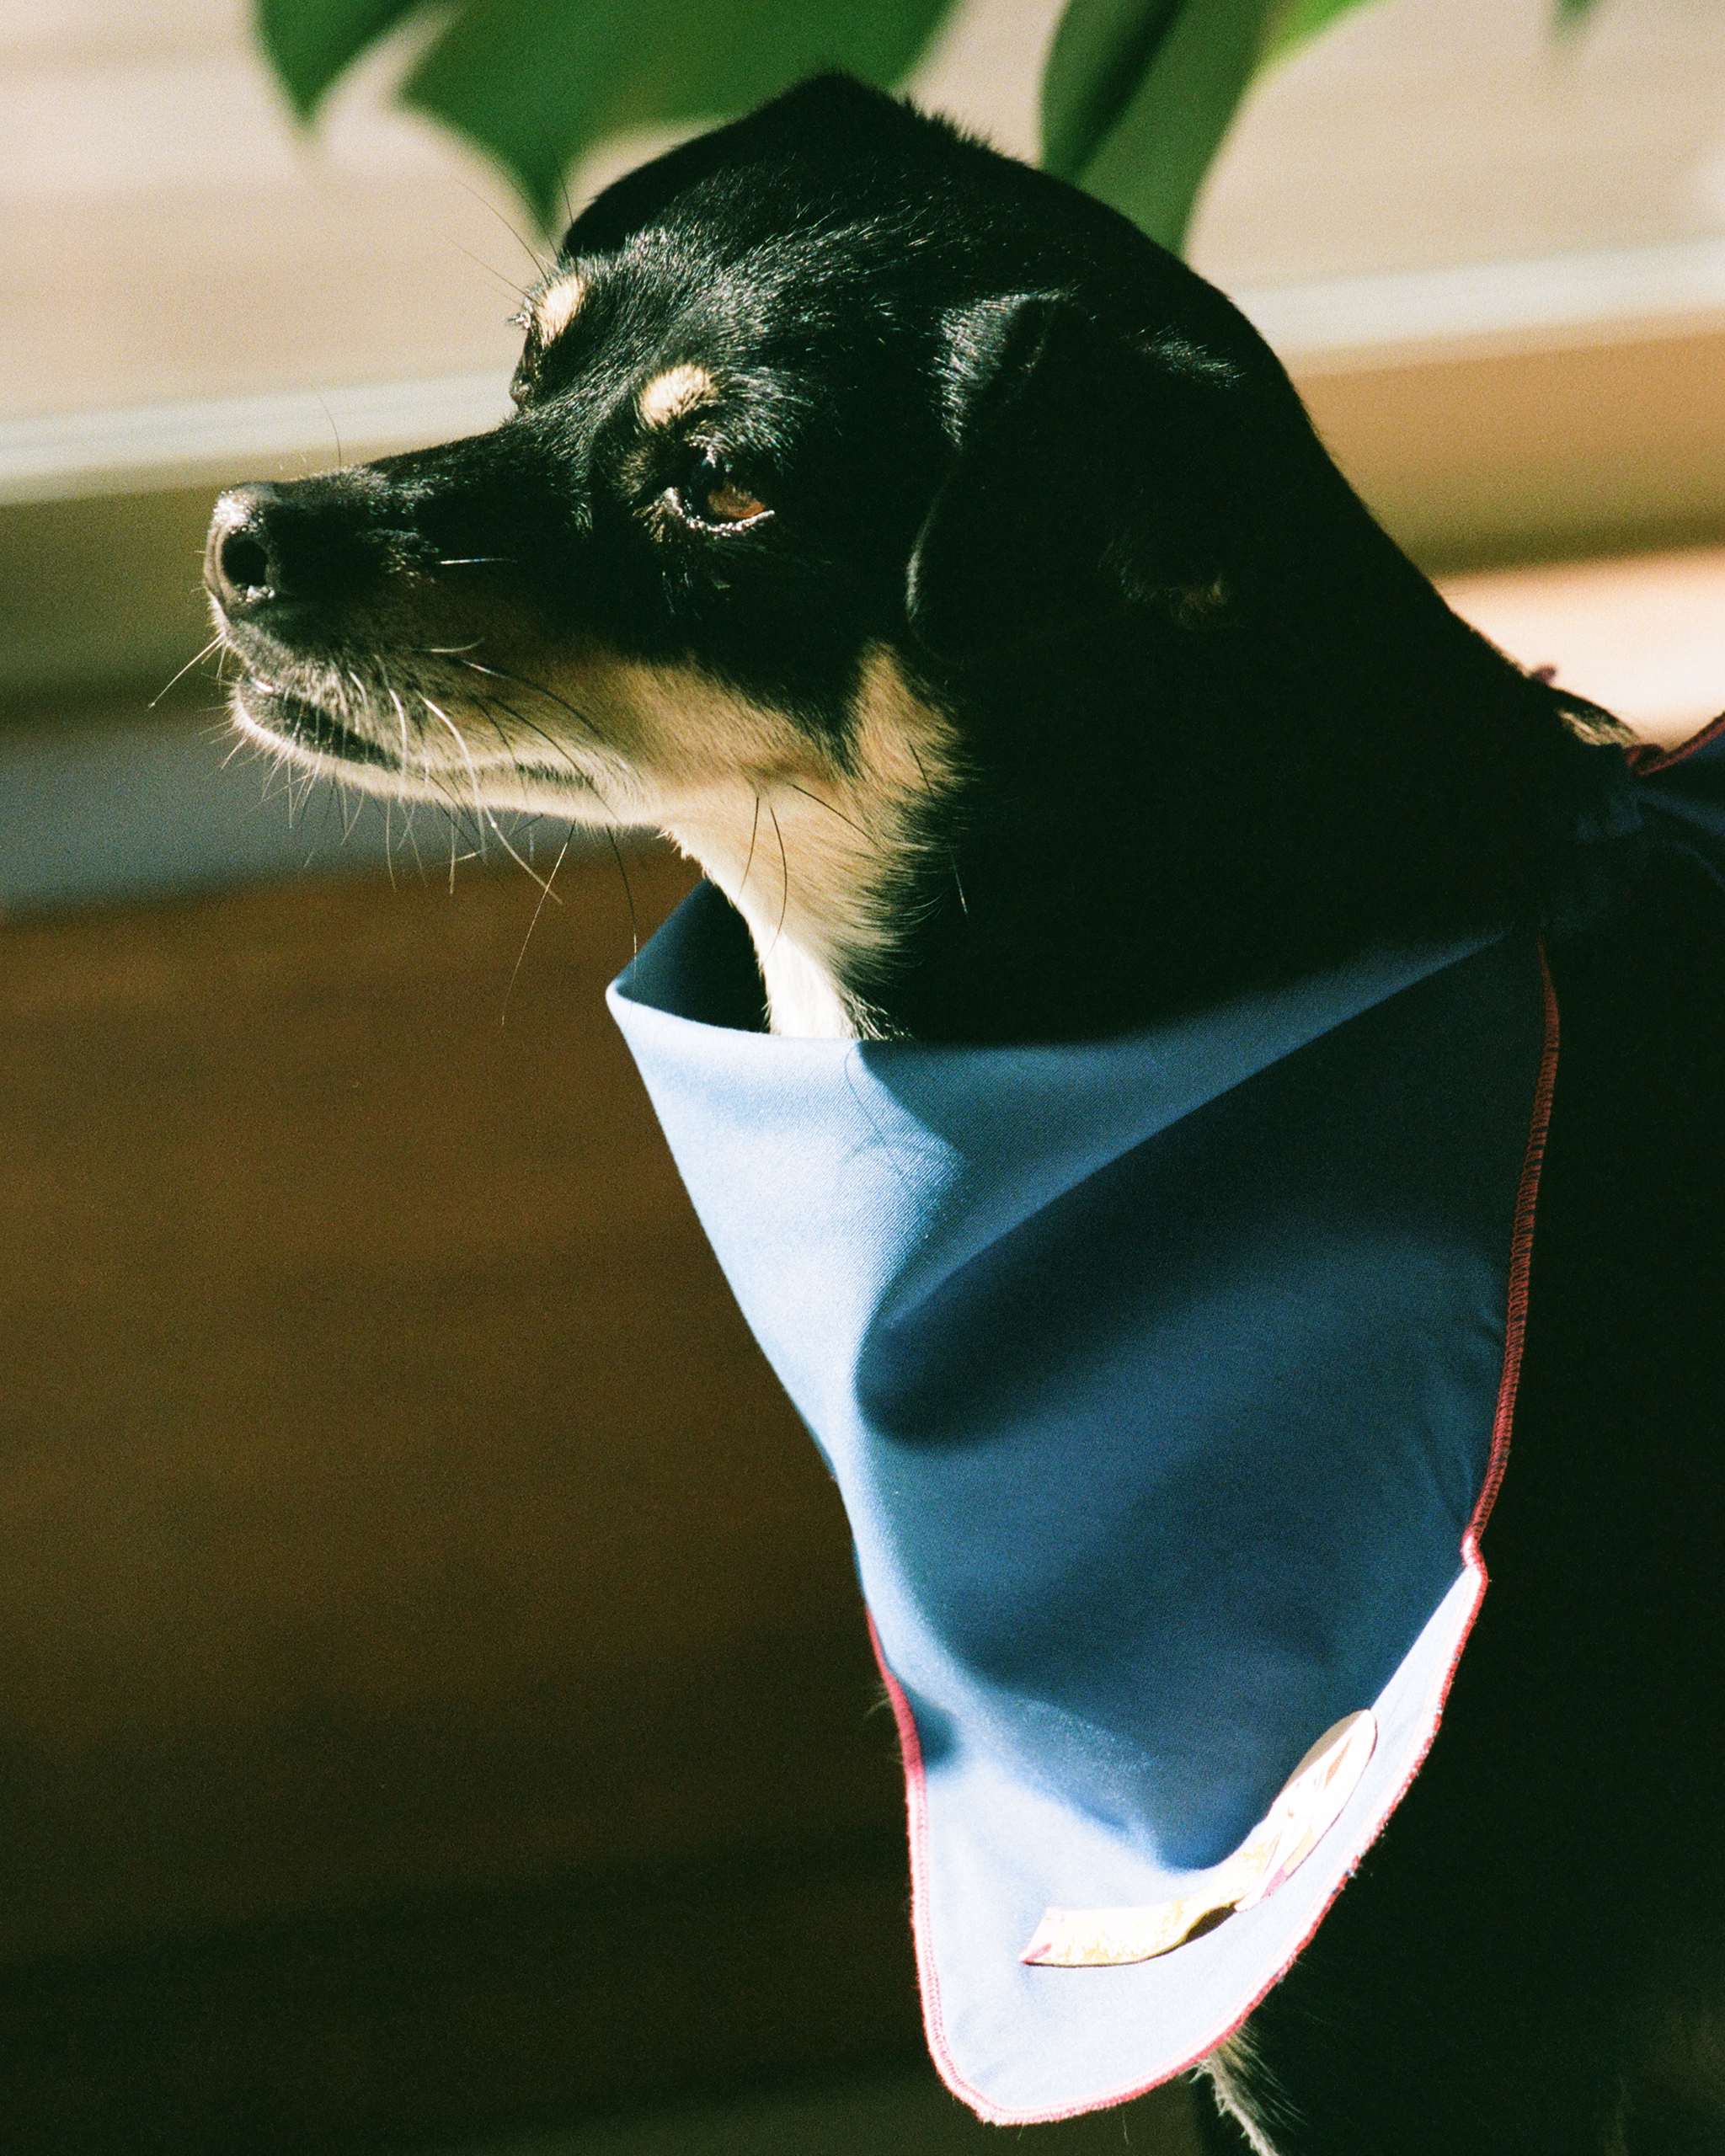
pixel 957 577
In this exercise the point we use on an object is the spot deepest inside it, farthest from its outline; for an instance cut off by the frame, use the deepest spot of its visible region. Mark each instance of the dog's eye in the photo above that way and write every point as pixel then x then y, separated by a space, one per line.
pixel 710 495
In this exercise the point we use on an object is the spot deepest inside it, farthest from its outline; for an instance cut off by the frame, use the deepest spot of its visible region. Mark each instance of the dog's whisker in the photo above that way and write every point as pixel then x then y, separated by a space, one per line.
pixel 569 836
pixel 819 803
pixel 411 841
pixel 453 811
pixel 542 268
pixel 616 855
pixel 401 714
pixel 754 832
pixel 537 689
pixel 784 903
pixel 461 807
pixel 497 275
pixel 551 741
pixel 582 778
pixel 333 429
pixel 213 644
pixel 480 803
pixel 487 708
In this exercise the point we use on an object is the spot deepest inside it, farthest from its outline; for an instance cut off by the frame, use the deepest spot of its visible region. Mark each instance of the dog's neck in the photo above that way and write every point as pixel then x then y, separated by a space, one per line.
pixel 805 904
pixel 819 858
pixel 805 998
pixel 929 893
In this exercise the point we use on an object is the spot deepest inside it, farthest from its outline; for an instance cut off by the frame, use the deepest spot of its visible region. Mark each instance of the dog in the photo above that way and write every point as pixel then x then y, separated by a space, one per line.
pixel 956 578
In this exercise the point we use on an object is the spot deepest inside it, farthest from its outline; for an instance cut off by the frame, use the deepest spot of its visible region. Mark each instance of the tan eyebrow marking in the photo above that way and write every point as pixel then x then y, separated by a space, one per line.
pixel 668 395
pixel 553 311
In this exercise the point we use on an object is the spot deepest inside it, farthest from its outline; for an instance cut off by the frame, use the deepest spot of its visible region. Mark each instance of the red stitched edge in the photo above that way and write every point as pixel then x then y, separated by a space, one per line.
pixel 1647 757
pixel 1520 1259
pixel 917 1820
pixel 916 1786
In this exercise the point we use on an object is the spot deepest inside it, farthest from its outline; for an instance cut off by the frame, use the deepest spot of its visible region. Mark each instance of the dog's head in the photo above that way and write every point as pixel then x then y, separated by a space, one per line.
pixel 899 529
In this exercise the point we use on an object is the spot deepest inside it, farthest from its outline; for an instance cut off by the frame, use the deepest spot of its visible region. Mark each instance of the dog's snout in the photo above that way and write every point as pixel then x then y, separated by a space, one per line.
pixel 245 563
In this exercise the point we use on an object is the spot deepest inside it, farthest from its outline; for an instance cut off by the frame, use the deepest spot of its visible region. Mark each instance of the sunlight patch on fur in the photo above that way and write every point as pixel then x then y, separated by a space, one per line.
pixel 557 306
pixel 679 390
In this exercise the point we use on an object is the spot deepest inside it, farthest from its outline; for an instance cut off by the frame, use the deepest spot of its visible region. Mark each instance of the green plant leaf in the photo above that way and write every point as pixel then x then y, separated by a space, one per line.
pixel 1099 56
pixel 1138 95
pixel 537 83
pixel 309 42
pixel 1171 94
pixel 1300 19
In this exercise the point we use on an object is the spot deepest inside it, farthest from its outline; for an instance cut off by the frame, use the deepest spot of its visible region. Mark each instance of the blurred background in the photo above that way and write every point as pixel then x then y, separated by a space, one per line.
pixel 435 1712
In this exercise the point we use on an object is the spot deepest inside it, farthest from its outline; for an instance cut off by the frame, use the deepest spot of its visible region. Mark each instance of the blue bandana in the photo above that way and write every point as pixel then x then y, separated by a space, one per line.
pixel 1168 1381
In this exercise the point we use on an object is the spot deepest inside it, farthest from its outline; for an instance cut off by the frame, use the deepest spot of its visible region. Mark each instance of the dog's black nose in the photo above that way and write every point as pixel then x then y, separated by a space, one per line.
pixel 245 564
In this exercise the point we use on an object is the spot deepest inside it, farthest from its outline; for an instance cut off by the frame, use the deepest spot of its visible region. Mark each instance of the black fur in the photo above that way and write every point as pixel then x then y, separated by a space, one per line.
pixel 1532 1959
pixel 1212 728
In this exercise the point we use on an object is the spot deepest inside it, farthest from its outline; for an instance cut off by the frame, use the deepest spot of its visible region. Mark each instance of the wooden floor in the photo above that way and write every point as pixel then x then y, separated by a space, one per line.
pixel 433 1698
pixel 433 1693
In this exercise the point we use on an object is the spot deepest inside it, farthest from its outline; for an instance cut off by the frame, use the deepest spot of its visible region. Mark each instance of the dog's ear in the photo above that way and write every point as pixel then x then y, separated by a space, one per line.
pixel 1090 475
